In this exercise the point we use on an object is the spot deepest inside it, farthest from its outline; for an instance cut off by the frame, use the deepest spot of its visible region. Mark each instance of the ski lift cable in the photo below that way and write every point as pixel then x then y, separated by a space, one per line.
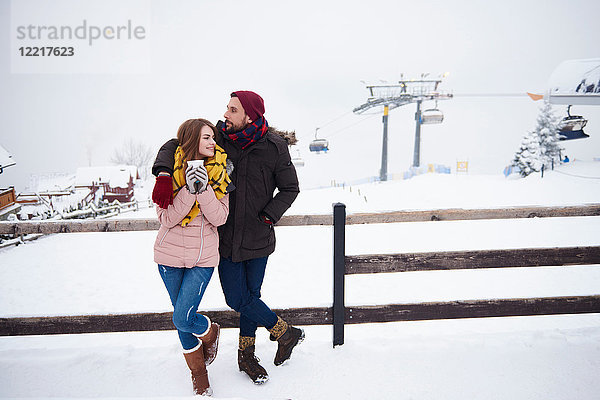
pixel 379 113
pixel 334 120
pixel 489 94
pixel 351 125
pixel 578 176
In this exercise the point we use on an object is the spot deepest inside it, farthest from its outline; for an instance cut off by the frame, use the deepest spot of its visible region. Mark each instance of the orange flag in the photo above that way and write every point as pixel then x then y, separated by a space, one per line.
pixel 535 97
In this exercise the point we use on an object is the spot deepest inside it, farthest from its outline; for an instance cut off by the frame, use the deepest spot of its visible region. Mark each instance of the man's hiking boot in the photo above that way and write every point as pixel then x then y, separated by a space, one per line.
pixel 248 363
pixel 286 343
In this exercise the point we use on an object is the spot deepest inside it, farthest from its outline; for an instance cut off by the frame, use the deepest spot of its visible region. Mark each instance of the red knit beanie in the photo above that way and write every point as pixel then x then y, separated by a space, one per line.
pixel 253 104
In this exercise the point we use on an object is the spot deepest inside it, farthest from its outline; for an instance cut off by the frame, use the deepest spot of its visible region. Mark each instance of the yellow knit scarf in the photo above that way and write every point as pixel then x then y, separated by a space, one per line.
pixel 217 177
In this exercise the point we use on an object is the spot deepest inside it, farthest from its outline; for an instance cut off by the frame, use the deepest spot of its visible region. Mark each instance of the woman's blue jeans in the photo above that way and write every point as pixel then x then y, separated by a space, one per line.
pixel 186 287
pixel 241 283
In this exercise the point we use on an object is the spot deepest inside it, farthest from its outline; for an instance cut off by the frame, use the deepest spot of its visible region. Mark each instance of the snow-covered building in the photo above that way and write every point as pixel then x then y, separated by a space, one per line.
pixel 47 193
pixel 8 203
pixel 576 82
pixel 7 195
pixel 110 182
pixel 6 159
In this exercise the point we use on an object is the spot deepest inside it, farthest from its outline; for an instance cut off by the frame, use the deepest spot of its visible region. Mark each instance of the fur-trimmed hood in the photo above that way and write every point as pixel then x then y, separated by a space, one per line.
pixel 288 136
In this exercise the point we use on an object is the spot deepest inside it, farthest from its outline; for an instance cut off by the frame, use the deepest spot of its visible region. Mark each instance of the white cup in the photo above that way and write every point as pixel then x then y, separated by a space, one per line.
pixel 195 163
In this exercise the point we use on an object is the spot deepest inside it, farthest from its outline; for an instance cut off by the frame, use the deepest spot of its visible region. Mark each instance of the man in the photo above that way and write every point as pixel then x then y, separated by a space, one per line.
pixel 261 163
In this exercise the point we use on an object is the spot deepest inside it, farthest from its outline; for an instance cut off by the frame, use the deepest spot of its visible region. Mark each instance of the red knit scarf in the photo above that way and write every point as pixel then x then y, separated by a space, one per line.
pixel 251 134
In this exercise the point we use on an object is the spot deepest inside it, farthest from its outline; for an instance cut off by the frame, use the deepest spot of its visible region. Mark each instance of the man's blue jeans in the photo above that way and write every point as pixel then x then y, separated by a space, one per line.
pixel 186 287
pixel 241 283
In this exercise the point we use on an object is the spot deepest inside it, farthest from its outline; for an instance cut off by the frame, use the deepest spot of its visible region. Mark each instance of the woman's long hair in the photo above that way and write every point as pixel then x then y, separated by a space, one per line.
pixel 188 137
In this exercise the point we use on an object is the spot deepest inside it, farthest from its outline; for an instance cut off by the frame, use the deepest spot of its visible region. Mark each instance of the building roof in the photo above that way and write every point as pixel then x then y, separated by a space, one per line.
pixel 50 182
pixel 114 175
pixel 6 159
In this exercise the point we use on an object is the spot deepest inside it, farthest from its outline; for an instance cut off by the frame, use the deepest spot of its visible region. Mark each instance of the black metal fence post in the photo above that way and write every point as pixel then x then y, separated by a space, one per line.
pixel 339 269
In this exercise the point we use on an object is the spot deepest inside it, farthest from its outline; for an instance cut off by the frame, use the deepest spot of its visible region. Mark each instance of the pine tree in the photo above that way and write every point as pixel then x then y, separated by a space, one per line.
pixel 527 158
pixel 548 128
pixel 540 146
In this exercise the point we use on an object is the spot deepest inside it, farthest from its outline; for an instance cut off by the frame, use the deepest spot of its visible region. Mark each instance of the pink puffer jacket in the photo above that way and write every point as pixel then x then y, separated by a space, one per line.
pixel 197 244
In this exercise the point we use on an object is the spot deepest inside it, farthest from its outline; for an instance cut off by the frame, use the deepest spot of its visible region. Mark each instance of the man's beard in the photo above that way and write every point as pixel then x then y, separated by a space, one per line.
pixel 231 128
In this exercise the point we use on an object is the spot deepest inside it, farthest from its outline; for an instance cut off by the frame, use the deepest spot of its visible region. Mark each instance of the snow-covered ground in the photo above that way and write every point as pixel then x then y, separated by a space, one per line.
pixel 494 358
pixel 545 357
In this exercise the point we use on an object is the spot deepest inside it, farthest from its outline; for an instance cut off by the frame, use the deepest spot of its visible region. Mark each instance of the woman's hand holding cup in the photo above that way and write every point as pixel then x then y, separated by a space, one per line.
pixel 196 176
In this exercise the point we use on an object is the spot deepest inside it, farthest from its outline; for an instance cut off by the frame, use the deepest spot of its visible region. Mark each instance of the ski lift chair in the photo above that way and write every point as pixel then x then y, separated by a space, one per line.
pixel 572 127
pixel 432 116
pixel 573 123
pixel 319 145
pixel 297 160
pixel 572 135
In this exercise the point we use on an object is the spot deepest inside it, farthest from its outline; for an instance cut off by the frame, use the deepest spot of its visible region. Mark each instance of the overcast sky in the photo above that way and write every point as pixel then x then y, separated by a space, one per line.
pixel 307 59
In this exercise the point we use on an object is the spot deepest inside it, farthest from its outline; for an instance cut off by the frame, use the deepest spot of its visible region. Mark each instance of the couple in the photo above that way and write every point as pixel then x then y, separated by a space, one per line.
pixel 243 163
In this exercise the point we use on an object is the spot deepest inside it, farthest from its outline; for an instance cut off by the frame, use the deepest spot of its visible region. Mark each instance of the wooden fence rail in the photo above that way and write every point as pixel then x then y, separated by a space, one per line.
pixel 447 260
pixel 310 315
pixel 140 322
pixel 122 225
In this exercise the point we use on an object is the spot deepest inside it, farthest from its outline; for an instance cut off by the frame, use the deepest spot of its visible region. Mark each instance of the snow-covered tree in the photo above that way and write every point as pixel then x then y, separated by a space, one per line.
pixel 540 146
pixel 549 127
pixel 527 158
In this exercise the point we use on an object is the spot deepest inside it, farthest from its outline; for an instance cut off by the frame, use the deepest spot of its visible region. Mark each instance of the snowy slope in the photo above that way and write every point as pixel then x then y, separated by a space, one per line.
pixel 528 358
pixel 546 357
pixel 569 184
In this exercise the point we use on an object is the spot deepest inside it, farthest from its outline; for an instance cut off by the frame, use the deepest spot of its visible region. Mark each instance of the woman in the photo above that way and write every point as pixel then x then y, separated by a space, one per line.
pixel 187 246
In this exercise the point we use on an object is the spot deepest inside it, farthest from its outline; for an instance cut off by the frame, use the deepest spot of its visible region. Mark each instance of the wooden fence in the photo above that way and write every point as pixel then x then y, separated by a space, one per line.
pixel 23 231
pixel 121 225
pixel 388 263
pixel 339 314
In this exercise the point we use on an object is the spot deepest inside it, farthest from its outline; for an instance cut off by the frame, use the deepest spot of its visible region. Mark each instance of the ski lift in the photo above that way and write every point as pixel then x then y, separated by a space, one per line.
pixel 297 160
pixel 571 127
pixel 318 145
pixel 432 116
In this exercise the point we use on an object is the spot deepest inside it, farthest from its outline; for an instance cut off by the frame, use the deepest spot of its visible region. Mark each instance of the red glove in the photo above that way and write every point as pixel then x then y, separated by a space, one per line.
pixel 265 219
pixel 163 191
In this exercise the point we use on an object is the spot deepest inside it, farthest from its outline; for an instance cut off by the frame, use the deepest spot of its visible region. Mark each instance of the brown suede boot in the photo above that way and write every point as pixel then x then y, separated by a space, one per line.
pixel 210 343
pixel 248 363
pixel 287 338
pixel 195 362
